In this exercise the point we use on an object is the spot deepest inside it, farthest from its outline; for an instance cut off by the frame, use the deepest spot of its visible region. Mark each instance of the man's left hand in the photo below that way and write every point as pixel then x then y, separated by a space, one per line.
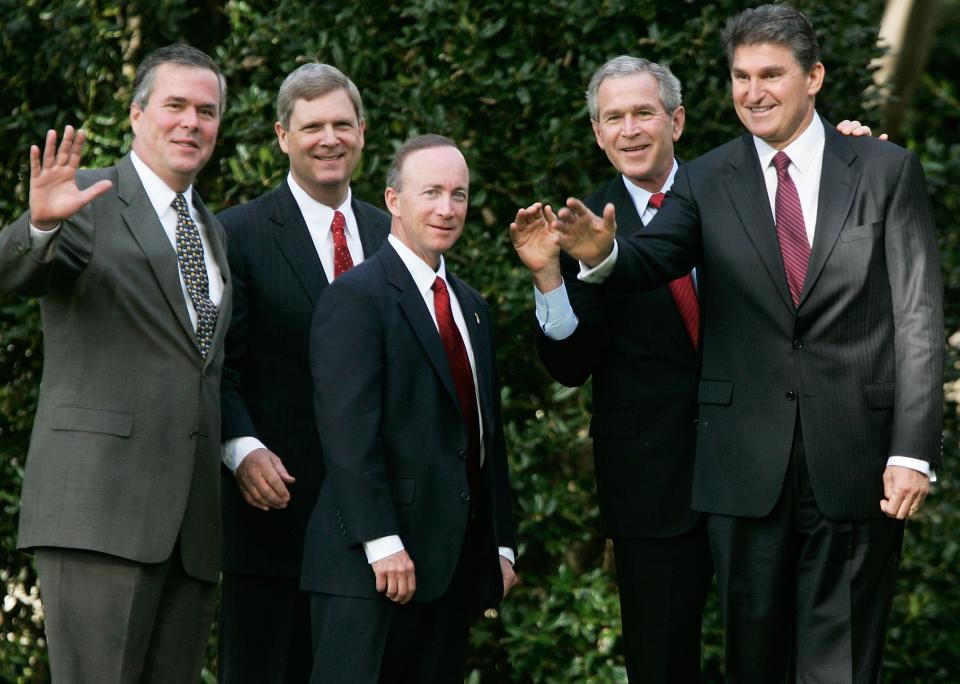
pixel 510 578
pixel 904 490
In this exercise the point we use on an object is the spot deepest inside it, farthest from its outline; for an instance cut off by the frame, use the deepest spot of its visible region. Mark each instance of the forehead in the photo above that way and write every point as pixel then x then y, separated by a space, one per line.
pixel 186 82
pixel 443 166
pixel 332 105
pixel 621 91
pixel 763 56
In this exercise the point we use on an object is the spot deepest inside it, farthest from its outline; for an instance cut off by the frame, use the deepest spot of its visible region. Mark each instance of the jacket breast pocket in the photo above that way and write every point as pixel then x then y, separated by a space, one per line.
pixel 861 232
pixel 80 419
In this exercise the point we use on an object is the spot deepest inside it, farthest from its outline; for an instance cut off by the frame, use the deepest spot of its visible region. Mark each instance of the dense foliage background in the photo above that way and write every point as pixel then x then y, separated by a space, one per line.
pixel 505 78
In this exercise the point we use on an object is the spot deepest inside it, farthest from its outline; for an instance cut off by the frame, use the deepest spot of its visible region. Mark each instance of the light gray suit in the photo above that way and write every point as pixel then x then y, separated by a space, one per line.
pixel 124 455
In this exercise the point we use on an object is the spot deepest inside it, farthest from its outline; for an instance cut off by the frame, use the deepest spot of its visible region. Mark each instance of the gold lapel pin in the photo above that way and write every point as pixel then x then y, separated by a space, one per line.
pixel 477 316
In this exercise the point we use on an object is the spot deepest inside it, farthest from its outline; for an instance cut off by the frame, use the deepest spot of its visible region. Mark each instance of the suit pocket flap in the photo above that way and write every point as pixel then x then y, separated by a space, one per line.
pixel 715 392
pixel 118 423
pixel 626 424
pixel 402 489
pixel 860 232
pixel 881 396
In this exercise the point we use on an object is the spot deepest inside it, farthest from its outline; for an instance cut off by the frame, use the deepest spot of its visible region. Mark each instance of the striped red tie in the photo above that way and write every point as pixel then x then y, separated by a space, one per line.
pixel 683 292
pixel 791 232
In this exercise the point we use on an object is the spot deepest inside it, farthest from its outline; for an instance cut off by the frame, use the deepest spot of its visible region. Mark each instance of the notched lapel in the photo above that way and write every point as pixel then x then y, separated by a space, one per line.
pixel 753 209
pixel 293 239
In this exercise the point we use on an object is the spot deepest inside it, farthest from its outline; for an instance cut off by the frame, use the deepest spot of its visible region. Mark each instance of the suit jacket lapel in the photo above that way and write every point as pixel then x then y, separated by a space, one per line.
pixel 628 220
pixel 219 253
pixel 294 241
pixel 838 185
pixel 370 239
pixel 474 315
pixel 748 196
pixel 417 315
pixel 142 222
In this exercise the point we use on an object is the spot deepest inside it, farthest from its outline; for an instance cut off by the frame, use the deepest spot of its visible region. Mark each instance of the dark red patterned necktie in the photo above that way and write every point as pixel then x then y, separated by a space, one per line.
pixel 342 261
pixel 683 292
pixel 463 380
pixel 791 233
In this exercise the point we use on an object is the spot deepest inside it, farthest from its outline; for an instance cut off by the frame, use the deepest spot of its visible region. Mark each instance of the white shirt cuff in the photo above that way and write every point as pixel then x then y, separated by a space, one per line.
pixel 554 313
pixel 507 553
pixel 914 464
pixel 236 449
pixel 601 271
pixel 41 240
pixel 382 547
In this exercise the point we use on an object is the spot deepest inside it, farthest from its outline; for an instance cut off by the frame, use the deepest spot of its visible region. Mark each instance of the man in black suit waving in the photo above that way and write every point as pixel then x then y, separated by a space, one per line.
pixel 284 248
pixel 412 530
pixel 821 384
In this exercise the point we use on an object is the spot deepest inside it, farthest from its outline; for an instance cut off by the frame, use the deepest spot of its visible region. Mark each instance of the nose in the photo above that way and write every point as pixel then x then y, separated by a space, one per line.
pixel 631 126
pixel 444 206
pixel 188 118
pixel 327 136
pixel 755 90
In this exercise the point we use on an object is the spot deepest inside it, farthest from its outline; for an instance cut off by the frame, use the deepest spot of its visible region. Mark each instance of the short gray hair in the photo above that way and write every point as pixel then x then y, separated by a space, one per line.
pixel 183 55
pixel 671 92
pixel 311 81
pixel 774 24
pixel 415 144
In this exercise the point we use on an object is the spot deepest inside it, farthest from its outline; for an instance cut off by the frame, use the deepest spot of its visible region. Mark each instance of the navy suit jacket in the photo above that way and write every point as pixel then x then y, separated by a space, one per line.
pixel 267 392
pixel 393 435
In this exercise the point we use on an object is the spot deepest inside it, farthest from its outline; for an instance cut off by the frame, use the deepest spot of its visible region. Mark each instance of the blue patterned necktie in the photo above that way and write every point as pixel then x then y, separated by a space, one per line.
pixel 194 271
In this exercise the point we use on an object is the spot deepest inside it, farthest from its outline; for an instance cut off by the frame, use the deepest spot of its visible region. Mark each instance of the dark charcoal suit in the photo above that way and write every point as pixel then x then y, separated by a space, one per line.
pixel 268 394
pixel 644 370
pixel 801 407
pixel 394 445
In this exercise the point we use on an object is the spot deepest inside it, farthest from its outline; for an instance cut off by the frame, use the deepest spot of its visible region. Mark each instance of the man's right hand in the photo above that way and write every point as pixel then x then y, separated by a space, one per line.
pixel 584 235
pixel 54 195
pixel 536 245
pixel 263 480
pixel 395 576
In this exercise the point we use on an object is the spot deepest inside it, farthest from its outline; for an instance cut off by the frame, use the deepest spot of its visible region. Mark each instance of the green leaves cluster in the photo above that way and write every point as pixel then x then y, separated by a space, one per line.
pixel 505 79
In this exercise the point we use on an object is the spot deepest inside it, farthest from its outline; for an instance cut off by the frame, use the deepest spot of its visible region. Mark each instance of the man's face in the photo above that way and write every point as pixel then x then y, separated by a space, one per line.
pixel 635 130
pixel 429 210
pixel 176 130
pixel 772 93
pixel 323 143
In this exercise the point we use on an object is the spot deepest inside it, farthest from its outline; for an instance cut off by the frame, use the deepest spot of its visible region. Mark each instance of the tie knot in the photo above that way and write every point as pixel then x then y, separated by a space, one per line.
pixel 339 222
pixel 656 199
pixel 439 286
pixel 781 161
pixel 180 203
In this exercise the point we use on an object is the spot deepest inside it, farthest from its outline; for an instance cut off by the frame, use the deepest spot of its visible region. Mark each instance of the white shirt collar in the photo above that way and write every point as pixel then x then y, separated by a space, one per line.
pixel 158 192
pixel 316 214
pixel 423 276
pixel 802 152
pixel 640 196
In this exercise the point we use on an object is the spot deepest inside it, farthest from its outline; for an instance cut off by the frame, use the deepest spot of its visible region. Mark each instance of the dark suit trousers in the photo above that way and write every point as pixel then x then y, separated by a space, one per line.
pixel 805 599
pixel 109 619
pixel 264 630
pixel 663 586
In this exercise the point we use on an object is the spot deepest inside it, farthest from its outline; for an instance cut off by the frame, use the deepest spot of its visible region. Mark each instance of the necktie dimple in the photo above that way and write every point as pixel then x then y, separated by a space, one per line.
pixel 342 261
pixel 683 291
pixel 459 364
pixel 791 233
pixel 194 271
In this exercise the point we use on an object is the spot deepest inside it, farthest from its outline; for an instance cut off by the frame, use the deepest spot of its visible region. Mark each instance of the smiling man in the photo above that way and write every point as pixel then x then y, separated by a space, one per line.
pixel 820 397
pixel 120 495
pixel 284 248
pixel 402 547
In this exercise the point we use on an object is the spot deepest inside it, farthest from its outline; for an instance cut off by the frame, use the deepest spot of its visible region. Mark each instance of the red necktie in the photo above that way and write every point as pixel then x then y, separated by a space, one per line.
pixel 342 261
pixel 683 292
pixel 791 233
pixel 462 379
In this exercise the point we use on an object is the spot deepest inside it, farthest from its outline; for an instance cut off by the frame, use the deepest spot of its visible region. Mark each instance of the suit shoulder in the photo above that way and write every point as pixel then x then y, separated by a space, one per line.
pixel 371 216
pixel 241 215
pixel 87 177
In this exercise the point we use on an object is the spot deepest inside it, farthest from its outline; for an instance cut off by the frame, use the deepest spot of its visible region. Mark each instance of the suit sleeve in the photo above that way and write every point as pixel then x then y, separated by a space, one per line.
pixel 913 268
pixel 347 354
pixel 505 527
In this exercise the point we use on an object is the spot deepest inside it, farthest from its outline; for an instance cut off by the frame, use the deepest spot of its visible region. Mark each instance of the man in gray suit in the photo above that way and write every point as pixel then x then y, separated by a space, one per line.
pixel 120 495
pixel 820 397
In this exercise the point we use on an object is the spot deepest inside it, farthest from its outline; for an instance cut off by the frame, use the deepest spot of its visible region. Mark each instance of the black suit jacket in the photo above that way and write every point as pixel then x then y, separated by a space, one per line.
pixel 393 435
pixel 267 392
pixel 644 370
pixel 863 353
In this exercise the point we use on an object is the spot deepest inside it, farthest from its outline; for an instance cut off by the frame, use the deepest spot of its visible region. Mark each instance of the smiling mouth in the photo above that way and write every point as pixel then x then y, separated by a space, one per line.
pixel 328 158
pixel 187 143
pixel 760 110
pixel 635 148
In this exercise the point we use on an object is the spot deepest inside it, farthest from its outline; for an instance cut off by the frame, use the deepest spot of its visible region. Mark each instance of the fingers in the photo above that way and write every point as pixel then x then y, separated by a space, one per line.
pixel 50 148
pixel 395 577
pixel 610 217
pixel 261 479
pixel 66 145
pixel 550 216
pixel 95 191
pixel 76 150
pixel 510 578
pixel 904 490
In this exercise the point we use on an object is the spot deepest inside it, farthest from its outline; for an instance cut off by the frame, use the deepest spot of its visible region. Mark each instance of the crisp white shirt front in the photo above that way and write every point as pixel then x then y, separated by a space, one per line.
pixel 318 218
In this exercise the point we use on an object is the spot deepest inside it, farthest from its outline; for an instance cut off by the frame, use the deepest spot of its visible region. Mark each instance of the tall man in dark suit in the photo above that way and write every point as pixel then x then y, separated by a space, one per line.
pixel 403 542
pixel 120 496
pixel 644 369
pixel 284 248
pixel 821 383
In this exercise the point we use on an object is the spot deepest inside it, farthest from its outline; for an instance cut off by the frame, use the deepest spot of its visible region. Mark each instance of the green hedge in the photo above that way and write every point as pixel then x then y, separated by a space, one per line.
pixel 505 78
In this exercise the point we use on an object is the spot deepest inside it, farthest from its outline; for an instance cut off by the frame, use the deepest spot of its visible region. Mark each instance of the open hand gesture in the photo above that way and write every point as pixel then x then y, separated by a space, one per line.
pixel 54 195
pixel 584 235
pixel 536 245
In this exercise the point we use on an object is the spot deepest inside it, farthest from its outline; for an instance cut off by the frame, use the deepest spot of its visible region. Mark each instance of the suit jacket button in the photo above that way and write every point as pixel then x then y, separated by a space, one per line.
pixel 791 396
pixel 465 495
pixel 462 455
pixel 193 434
pixel 798 344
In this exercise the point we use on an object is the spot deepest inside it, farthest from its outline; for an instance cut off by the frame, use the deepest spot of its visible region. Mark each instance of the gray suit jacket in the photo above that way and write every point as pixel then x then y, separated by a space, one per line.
pixel 124 455
pixel 859 363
